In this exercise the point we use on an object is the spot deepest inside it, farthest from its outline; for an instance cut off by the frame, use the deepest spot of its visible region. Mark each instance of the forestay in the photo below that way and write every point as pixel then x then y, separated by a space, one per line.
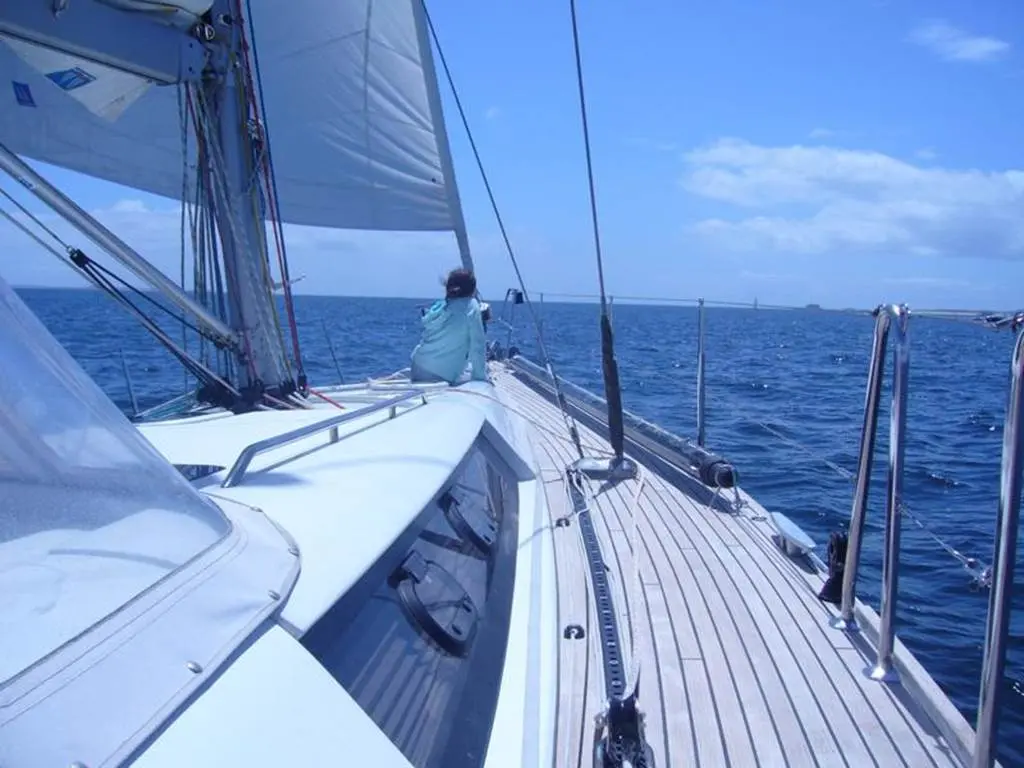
pixel 351 106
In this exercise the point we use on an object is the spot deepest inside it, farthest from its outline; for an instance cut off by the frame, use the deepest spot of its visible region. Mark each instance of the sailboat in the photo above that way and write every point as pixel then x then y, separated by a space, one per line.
pixel 264 572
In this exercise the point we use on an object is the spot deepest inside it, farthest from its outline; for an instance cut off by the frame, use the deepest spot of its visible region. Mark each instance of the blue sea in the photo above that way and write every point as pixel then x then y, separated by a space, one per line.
pixel 800 372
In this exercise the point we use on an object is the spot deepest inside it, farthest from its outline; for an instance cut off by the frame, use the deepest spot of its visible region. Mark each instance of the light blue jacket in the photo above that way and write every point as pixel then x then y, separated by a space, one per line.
pixel 453 333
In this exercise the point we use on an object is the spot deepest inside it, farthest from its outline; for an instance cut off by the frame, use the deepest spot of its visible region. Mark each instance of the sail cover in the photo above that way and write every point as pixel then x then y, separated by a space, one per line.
pixel 351 108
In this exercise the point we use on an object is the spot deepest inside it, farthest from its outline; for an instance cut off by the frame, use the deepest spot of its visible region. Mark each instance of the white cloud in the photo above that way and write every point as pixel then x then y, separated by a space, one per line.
pixel 825 200
pixel 925 154
pixel 821 133
pixel 492 113
pixel 953 44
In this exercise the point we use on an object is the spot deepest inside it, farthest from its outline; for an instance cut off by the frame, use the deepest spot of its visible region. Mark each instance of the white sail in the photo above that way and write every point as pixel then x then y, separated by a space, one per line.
pixel 352 111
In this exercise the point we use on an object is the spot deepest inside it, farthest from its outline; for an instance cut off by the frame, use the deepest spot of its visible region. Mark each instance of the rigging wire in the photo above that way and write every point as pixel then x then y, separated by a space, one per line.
pixel 609 367
pixel 270 180
pixel 981 574
pixel 35 219
pixel 563 405
pixel 104 279
pixel 995 319
pixel 590 163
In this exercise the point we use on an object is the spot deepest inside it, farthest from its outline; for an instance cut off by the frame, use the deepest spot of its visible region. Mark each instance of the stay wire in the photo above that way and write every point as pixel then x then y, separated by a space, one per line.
pixel 101 278
pixel 981 574
pixel 590 163
pixel 35 219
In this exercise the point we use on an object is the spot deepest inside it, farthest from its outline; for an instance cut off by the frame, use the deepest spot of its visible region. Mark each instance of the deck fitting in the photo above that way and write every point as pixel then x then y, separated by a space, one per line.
pixel 613 469
pixel 620 739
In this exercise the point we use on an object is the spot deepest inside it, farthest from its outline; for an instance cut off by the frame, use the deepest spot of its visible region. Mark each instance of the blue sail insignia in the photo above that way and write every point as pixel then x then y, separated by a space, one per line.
pixel 69 79
pixel 23 94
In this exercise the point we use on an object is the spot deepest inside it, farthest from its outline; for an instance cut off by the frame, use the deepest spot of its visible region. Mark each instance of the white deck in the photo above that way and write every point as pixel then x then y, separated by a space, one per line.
pixel 739 665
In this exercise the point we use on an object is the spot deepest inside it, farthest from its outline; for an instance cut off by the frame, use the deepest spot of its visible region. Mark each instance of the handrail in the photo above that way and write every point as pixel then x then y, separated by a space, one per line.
pixel 884 669
pixel 887 318
pixel 1003 566
pixel 251 451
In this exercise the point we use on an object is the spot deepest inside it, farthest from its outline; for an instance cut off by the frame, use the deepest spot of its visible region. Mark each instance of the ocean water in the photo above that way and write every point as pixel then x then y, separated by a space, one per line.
pixel 801 373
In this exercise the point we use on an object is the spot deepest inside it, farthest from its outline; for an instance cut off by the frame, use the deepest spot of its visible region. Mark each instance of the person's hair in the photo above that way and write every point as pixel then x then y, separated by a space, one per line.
pixel 460 284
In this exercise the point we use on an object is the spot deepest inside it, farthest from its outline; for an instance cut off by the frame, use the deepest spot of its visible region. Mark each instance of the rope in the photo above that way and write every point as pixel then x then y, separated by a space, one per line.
pixel 570 423
pixel 327 399
pixel 212 164
pixel 635 627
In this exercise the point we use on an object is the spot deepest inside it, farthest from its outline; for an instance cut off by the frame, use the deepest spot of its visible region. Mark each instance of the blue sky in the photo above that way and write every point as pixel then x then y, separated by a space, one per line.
pixel 794 151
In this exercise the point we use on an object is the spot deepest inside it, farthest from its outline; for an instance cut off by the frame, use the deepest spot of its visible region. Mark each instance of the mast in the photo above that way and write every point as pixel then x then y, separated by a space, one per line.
pixel 233 137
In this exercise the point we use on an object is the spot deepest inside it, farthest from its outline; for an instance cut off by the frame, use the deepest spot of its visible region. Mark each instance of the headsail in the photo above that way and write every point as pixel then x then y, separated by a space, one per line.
pixel 350 103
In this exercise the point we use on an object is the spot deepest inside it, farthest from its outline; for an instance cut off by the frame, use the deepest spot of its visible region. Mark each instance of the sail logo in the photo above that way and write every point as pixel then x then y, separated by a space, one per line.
pixel 23 94
pixel 69 79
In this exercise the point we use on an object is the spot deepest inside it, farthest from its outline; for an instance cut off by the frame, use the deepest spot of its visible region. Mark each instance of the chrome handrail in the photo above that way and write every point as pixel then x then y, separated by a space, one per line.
pixel 1003 565
pixel 238 469
pixel 884 669
pixel 887 318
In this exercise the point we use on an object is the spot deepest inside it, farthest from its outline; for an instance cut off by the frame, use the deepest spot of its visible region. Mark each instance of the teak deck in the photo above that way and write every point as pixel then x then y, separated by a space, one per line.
pixel 738 663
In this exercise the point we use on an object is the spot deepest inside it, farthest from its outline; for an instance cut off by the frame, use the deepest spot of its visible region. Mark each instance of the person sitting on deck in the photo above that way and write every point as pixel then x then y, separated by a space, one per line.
pixel 453 333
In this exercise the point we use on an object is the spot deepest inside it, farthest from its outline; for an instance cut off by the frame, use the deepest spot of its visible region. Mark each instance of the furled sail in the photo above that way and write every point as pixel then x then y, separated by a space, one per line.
pixel 351 107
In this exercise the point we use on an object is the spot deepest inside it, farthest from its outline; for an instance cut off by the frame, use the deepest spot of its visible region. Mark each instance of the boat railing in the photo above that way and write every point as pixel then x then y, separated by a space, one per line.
pixel 237 472
pixel 889 319
pixel 894 320
pixel 1003 567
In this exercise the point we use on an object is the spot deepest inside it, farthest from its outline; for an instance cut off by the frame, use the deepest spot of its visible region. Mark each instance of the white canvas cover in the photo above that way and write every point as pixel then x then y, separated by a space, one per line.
pixel 123 591
pixel 90 514
pixel 352 111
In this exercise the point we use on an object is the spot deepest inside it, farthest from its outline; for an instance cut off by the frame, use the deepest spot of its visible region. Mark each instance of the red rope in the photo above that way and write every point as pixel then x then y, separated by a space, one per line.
pixel 322 396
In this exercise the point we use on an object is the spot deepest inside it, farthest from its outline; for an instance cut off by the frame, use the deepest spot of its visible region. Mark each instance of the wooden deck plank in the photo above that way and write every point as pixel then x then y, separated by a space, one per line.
pixel 799 715
pixel 907 731
pixel 738 663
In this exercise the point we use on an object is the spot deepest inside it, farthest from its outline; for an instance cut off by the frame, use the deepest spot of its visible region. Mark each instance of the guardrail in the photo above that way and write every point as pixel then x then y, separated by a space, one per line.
pixel 237 472
pixel 887 318
pixel 1004 563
